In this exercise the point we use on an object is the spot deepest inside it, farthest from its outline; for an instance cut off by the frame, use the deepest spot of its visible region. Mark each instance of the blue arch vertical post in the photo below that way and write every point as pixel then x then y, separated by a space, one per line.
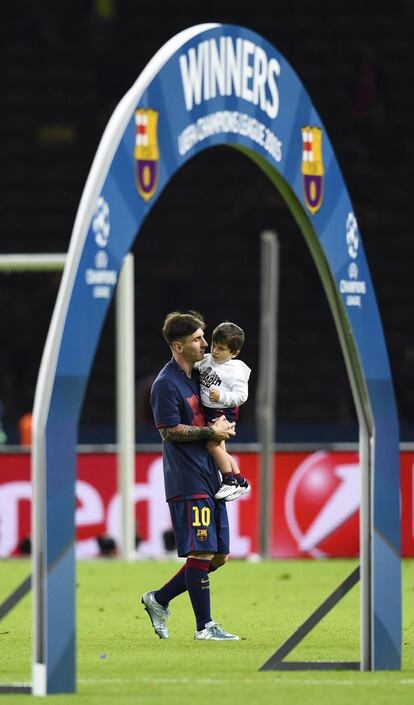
pixel 210 85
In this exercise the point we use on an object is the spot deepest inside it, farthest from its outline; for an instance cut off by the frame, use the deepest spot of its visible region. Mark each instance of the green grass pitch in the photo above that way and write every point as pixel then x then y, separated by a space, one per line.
pixel 120 660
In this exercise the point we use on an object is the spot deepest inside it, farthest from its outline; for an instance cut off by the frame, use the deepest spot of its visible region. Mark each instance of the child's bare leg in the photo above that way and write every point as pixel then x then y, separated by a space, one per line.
pixel 226 463
pixel 230 483
pixel 234 484
pixel 235 468
pixel 220 456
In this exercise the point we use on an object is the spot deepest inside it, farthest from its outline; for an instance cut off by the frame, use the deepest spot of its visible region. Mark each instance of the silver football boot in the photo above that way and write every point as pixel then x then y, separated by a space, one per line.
pixel 157 614
pixel 215 632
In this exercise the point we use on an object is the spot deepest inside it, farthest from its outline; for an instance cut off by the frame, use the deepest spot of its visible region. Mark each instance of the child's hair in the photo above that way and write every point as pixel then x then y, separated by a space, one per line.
pixel 179 325
pixel 229 334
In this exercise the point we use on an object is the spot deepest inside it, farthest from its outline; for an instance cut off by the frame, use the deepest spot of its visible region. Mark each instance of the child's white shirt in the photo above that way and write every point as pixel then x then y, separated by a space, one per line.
pixel 230 378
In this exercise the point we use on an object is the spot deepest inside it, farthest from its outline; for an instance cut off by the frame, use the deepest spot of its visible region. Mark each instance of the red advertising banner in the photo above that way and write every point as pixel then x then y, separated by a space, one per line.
pixel 315 504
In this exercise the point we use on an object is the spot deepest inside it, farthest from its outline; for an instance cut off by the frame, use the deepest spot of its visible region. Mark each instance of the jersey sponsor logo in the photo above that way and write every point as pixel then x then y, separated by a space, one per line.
pixel 312 167
pixel 146 152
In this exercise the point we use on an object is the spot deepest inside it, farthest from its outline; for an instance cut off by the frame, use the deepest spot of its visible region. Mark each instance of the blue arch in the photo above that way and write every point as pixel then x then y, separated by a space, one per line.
pixel 210 85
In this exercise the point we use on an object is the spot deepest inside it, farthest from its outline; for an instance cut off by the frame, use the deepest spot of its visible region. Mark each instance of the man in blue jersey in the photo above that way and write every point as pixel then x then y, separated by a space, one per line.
pixel 191 478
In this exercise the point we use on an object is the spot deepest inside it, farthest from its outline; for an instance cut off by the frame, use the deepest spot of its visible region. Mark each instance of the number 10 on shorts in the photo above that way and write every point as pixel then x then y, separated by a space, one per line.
pixel 202 517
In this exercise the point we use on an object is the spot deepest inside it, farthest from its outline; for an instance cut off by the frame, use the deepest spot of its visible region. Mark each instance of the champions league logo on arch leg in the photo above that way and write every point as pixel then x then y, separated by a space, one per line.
pixel 312 167
pixel 146 152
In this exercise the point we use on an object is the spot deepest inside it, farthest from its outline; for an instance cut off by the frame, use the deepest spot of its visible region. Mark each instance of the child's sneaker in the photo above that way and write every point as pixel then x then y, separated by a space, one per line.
pixel 243 487
pixel 227 488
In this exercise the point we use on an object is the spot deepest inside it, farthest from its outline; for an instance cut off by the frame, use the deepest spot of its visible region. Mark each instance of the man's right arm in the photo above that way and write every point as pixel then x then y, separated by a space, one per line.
pixel 220 430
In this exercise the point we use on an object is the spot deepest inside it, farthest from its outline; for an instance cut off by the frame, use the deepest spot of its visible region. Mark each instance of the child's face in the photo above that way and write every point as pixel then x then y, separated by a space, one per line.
pixel 221 352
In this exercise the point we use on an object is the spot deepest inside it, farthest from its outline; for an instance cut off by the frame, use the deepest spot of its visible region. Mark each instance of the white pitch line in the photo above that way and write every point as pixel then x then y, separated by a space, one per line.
pixel 214 681
pixel 16 684
pixel 167 681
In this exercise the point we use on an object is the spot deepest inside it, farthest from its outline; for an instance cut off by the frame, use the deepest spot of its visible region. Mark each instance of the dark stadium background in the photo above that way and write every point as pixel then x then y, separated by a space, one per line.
pixel 65 64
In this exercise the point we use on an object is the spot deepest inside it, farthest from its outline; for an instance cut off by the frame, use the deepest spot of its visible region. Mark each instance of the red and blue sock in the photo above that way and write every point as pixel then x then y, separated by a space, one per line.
pixel 176 586
pixel 198 586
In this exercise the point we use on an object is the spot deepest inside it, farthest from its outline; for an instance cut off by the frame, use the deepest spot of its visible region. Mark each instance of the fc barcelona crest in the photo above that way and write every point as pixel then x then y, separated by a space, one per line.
pixel 312 167
pixel 201 534
pixel 146 152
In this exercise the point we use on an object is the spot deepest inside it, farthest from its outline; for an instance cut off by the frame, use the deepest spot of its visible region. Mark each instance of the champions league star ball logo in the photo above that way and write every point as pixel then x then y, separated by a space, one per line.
pixel 312 168
pixel 321 505
pixel 352 238
pixel 146 152
pixel 101 225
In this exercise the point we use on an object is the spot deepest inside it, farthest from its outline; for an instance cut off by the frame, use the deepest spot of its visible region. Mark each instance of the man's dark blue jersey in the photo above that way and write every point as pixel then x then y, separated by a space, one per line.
pixel 189 470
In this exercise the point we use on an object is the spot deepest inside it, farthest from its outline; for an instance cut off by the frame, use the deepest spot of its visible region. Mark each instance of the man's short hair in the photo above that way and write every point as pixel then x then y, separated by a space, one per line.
pixel 178 325
pixel 229 334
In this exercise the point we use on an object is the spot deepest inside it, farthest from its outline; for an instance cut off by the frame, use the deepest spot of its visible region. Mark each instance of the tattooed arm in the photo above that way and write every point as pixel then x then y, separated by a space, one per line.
pixel 184 434
pixel 221 430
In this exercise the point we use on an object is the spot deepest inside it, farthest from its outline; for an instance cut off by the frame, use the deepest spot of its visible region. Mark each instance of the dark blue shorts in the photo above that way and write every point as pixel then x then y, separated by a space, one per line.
pixel 200 525
pixel 231 413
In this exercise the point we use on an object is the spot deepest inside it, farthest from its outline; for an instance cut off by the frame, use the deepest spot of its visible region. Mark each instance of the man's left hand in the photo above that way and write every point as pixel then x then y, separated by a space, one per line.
pixel 223 429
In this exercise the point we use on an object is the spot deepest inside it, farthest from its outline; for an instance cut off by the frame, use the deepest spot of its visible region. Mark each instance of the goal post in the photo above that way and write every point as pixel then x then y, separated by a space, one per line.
pixel 125 375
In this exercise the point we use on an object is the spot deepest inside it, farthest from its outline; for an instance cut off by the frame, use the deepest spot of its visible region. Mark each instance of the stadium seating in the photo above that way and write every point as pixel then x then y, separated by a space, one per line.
pixel 65 71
